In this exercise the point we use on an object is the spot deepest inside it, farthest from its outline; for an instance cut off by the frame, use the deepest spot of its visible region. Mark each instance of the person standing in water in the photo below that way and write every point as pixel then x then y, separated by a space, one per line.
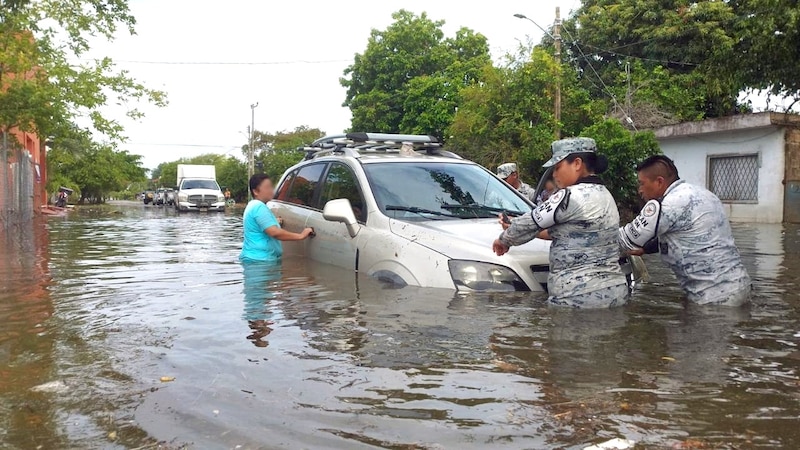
pixel 583 222
pixel 262 231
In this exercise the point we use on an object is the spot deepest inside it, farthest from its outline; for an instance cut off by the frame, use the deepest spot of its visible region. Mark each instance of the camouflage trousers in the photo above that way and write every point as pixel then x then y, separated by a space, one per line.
pixel 602 298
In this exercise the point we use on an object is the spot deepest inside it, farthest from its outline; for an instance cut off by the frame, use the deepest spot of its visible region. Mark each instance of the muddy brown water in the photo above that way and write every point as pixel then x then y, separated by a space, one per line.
pixel 97 307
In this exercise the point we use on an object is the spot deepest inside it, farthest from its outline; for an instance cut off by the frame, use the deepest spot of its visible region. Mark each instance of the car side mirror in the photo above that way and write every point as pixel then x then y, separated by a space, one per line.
pixel 340 210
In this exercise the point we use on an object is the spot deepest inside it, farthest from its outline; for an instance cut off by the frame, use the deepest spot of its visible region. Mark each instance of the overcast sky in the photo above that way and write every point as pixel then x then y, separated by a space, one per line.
pixel 306 45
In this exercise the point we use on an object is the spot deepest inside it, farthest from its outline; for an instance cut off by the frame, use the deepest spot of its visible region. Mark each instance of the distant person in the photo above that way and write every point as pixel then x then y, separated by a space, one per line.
pixel 227 194
pixel 508 172
pixel 549 189
pixel 583 222
pixel 688 226
pixel 262 232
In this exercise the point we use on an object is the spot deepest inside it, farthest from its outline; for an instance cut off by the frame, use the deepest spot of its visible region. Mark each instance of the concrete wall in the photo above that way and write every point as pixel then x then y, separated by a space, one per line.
pixel 691 153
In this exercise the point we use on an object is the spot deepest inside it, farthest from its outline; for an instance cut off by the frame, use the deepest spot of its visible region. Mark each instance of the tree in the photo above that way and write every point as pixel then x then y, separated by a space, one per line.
pixel 408 78
pixel 656 57
pixel 509 116
pixel 42 89
pixel 277 151
pixel 93 170
pixel 767 46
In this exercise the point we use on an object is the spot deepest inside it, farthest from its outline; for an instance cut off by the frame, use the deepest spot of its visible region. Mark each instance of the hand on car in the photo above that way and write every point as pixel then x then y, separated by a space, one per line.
pixel 503 222
pixel 499 248
pixel 307 232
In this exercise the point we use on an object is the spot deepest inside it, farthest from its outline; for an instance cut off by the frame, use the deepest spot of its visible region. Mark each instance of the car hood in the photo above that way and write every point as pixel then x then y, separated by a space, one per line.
pixel 467 239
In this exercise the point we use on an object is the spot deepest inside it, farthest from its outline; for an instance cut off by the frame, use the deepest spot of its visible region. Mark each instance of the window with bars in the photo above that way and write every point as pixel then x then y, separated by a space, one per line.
pixel 734 178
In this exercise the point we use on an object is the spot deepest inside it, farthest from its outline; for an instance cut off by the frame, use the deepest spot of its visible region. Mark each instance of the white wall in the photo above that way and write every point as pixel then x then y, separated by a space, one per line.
pixel 691 153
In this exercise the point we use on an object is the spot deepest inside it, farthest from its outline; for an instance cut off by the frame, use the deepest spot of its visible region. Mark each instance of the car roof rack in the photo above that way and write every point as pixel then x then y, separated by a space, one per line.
pixel 358 144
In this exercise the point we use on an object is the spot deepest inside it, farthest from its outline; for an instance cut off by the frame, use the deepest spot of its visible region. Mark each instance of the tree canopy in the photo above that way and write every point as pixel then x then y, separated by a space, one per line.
pixel 92 170
pixel 276 152
pixel 45 82
pixel 409 77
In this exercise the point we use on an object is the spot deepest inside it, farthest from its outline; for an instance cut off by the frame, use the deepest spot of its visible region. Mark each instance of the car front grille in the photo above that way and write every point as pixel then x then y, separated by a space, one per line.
pixel 204 199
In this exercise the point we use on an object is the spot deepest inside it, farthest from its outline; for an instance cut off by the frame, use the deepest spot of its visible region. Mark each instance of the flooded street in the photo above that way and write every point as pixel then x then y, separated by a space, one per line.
pixel 128 326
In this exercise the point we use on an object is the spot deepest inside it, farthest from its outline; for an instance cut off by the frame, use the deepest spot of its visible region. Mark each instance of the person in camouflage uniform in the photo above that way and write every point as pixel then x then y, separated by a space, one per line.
pixel 583 221
pixel 508 172
pixel 688 226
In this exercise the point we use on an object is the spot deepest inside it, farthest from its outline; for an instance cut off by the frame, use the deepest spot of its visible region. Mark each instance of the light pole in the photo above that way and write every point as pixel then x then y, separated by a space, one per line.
pixel 556 36
pixel 250 150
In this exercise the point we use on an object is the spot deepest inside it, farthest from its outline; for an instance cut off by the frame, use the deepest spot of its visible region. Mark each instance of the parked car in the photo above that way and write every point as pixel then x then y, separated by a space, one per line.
pixel 400 208
pixel 160 197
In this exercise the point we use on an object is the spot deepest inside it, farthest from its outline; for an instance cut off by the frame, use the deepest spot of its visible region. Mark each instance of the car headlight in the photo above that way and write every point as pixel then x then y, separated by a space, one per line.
pixel 481 276
pixel 220 198
pixel 183 197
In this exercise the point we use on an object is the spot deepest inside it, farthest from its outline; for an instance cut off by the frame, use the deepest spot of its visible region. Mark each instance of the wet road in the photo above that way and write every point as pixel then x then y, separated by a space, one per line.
pixel 97 307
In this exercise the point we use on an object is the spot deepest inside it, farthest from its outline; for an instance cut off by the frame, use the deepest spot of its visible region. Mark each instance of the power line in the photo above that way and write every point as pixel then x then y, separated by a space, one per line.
pixel 603 83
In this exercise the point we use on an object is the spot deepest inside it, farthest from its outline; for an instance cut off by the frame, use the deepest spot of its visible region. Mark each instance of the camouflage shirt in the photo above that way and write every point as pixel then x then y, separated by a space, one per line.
pixel 527 191
pixel 584 254
pixel 695 241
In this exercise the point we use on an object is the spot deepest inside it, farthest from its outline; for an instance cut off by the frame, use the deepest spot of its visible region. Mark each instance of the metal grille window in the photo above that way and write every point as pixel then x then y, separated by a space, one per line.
pixel 734 178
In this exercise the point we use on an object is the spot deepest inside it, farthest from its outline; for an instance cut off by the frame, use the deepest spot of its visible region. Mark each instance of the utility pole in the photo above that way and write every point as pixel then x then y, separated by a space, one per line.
pixel 557 42
pixel 556 36
pixel 250 150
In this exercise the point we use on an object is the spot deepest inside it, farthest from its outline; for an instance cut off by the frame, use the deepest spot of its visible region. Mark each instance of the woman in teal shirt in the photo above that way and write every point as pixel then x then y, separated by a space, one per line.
pixel 262 232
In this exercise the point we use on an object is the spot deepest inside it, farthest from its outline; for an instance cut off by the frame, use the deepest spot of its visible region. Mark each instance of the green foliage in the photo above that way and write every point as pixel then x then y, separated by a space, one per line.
pixel 409 77
pixel 92 170
pixel 44 90
pixel 668 47
pixel 509 116
pixel 276 152
pixel 767 46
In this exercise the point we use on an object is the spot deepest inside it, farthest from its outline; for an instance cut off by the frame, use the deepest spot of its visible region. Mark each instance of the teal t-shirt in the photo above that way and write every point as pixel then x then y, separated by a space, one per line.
pixel 258 245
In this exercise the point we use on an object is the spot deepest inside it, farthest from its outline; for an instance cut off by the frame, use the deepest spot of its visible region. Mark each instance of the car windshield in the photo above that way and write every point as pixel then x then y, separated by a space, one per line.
pixel 440 190
pixel 200 184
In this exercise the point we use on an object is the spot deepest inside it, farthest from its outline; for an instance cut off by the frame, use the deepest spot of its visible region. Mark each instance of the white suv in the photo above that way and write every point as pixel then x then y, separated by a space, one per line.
pixel 401 209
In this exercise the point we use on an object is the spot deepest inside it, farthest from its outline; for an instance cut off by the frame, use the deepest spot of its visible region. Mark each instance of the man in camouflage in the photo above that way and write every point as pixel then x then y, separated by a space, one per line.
pixel 688 226
pixel 509 173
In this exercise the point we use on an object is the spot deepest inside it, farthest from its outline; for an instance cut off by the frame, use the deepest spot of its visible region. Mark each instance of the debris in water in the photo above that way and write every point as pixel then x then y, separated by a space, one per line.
pixel 167 379
pixel 112 435
pixel 668 358
pixel 505 366
pixel 613 444
pixel 53 387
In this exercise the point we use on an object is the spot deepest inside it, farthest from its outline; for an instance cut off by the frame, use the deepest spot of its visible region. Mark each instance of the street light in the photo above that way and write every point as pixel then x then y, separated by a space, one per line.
pixel 250 149
pixel 556 36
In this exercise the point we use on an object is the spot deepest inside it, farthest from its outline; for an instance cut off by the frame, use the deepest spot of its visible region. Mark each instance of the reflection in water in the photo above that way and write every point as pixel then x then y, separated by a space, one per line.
pixel 258 280
pixel 107 302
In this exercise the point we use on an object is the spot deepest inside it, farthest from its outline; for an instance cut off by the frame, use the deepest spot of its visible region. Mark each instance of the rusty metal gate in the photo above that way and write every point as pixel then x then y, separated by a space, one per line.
pixel 17 182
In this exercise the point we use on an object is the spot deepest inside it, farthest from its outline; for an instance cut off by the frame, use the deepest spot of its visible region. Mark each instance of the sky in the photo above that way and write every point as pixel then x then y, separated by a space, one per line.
pixel 295 51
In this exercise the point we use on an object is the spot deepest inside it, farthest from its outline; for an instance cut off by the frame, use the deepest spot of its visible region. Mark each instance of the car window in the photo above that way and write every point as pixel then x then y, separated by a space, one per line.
pixel 283 189
pixel 440 190
pixel 341 183
pixel 305 184
pixel 200 184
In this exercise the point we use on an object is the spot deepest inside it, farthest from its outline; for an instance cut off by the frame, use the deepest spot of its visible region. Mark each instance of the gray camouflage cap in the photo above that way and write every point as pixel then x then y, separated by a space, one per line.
pixel 565 147
pixel 505 170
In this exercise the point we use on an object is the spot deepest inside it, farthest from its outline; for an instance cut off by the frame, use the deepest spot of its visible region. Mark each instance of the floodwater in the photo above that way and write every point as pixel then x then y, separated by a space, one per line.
pixel 97 308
